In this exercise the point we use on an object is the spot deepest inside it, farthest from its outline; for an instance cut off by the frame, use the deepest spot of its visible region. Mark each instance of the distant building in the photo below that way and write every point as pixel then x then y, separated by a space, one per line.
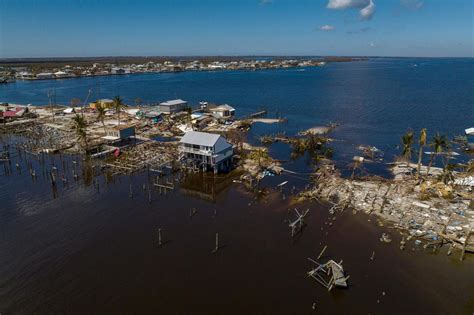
pixel 206 150
pixel 25 75
pixel 105 103
pixel 223 111
pixel 173 106
pixel 153 116
pixel 201 121
pixel 117 71
pixel 119 132
pixel 61 74
pixel 45 75
pixel 13 113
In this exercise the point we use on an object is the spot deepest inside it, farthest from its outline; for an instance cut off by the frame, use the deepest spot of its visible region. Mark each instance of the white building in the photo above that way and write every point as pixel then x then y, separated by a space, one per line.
pixel 206 150
pixel 24 75
pixel 173 106
pixel 119 133
pixel 61 74
pixel 45 75
pixel 223 111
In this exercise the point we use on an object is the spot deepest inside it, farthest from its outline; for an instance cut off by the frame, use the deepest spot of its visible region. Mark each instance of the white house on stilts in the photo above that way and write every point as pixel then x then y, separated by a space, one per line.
pixel 206 151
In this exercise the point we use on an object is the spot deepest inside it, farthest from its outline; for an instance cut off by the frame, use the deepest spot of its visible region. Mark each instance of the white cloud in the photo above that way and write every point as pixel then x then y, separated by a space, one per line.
pixel 367 12
pixel 327 28
pixel 412 4
pixel 345 4
pixel 372 44
pixel 366 7
pixel 265 2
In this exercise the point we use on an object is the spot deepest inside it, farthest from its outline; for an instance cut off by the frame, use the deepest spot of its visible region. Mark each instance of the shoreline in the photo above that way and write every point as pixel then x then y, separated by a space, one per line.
pixel 60 70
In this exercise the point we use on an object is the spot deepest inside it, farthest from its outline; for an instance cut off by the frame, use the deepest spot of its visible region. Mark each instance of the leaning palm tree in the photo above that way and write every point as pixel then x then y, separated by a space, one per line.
pixel 101 115
pixel 438 145
pixel 422 143
pixel 118 106
pixel 407 142
pixel 81 127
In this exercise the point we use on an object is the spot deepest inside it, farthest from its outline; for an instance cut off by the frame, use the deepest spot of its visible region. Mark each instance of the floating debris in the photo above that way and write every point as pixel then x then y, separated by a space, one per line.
pixel 329 274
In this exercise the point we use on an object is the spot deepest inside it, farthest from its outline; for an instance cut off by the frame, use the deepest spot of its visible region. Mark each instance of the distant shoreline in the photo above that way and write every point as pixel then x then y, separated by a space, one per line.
pixel 47 69
pixel 58 61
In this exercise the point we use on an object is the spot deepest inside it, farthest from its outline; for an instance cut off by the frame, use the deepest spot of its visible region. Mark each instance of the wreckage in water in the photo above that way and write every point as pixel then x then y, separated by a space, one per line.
pixel 329 274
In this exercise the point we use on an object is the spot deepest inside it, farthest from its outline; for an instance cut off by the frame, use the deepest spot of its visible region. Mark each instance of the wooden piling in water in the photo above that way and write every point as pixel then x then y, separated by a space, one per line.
pixel 159 237
pixel 217 244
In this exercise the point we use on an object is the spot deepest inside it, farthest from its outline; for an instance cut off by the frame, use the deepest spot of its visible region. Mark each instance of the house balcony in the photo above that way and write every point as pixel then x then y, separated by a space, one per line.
pixel 196 151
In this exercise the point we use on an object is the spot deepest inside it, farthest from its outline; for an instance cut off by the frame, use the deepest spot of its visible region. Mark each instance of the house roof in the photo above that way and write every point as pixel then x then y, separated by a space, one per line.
pixel 11 113
pixel 152 114
pixel 222 108
pixel 174 102
pixel 200 138
pixel 206 139
pixel 227 107
pixel 105 100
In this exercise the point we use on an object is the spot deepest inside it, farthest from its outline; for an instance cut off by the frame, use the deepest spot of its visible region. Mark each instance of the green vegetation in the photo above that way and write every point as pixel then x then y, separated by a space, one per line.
pixel 118 106
pixel 422 143
pixel 101 115
pixel 407 143
pixel 81 130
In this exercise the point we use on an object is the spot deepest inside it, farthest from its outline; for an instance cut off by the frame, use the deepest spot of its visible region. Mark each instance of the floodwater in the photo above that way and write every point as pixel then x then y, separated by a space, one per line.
pixel 91 247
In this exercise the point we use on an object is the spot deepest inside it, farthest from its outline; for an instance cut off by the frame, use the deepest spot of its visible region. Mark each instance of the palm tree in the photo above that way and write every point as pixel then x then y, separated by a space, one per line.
pixel 422 143
pixel 438 145
pixel 118 106
pixel 81 126
pixel 259 155
pixel 407 142
pixel 101 115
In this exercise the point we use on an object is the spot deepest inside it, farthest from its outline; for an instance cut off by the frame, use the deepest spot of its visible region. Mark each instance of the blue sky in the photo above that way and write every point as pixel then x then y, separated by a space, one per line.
pixel 45 28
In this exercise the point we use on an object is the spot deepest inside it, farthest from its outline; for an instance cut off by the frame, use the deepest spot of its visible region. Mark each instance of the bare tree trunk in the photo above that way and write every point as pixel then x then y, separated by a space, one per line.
pixel 430 163
pixel 420 157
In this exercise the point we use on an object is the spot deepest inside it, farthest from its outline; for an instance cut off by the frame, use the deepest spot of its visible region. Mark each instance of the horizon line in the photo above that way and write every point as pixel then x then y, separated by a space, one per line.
pixel 223 55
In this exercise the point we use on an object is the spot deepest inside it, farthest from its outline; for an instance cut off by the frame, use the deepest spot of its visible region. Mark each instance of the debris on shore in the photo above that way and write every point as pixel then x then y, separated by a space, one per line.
pixel 431 210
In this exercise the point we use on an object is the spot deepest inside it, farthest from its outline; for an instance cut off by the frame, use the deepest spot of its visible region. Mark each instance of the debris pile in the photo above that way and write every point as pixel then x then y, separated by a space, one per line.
pixel 431 210
pixel 152 155
pixel 43 138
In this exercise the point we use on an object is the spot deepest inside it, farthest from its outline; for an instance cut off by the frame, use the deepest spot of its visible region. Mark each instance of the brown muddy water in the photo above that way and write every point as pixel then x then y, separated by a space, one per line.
pixel 87 250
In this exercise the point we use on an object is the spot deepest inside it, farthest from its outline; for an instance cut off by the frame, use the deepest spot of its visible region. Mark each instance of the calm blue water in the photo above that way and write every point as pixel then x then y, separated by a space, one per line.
pixel 374 101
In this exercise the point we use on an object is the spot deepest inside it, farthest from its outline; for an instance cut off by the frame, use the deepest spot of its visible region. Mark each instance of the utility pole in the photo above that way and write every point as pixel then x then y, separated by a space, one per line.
pixel 50 95
pixel 85 102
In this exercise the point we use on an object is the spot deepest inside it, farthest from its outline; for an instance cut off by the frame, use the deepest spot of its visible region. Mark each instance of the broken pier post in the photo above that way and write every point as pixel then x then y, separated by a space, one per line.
pixel 217 244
